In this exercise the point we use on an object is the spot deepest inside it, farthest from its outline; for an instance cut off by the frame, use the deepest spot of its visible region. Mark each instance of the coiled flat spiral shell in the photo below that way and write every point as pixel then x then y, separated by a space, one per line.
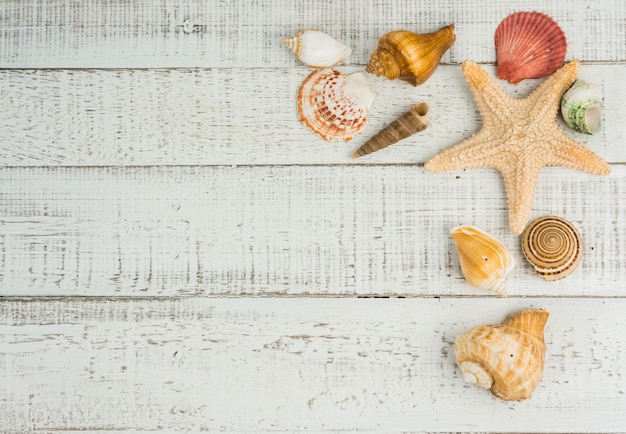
pixel 529 45
pixel 410 56
pixel 317 49
pixel 506 358
pixel 334 105
pixel 553 246
pixel 485 261
pixel 409 123
pixel 581 107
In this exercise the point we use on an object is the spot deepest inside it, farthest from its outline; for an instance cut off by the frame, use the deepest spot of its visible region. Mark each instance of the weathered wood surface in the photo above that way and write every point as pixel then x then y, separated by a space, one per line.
pixel 340 230
pixel 154 163
pixel 145 34
pixel 239 116
pixel 255 364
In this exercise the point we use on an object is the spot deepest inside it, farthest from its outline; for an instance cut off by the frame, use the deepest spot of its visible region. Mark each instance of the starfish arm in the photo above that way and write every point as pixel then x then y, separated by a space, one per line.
pixel 472 153
pixel 567 152
pixel 520 182
pixel 492 101
pixel 546 99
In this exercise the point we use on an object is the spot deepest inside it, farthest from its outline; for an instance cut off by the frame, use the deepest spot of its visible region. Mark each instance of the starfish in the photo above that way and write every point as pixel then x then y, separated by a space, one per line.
pixel 518 138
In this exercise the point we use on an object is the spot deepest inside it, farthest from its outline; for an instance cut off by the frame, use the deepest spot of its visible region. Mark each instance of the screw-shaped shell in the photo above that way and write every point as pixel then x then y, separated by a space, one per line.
pixel 409 123
pixel 485 261
pixel 410 56
pixel 506 358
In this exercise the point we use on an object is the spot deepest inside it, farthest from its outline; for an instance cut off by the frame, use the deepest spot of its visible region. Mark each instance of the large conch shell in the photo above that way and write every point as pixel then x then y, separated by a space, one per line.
pixel 485 261
pixel 411 122
pixel 317 49
pixel 581 107
pixel 553 246
pixel 334 105
pixel 506 358
pixel 529 45
pixel 409 56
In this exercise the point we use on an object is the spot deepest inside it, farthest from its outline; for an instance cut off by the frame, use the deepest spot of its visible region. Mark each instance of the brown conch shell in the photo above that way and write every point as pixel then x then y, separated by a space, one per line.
pixel 334 105
pixel 553 246
pixel 485 261
pixel 411 122
pixel 506 358
pixel 409 56
pixel 529 45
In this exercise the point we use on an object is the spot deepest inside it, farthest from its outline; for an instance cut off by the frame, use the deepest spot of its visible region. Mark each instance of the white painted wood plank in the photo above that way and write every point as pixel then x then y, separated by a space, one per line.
pixel 294 364
pixel 238 116
pixel 148 34
pixel 342 230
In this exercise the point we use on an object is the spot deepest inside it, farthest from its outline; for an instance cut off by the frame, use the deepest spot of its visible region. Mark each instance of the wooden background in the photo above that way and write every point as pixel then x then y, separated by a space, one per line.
pixel 180 253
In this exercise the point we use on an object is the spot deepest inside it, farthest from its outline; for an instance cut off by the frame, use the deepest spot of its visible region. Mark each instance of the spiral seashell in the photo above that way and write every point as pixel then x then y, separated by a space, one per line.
pixel 317 49
pixel 409 56
pixel 334 105
pixel 529 45
pixel 485 261
pixel 553 246
pixel 506 358
pixel 581 107
pixel 411 122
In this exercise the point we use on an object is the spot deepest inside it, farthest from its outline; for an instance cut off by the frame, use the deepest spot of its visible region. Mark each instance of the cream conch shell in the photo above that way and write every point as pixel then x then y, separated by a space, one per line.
pixel 506 358
pixel 410 56
pixel 317 49
pixel 409 123
pixel 553 246
pixel 485 261
pixel 334 105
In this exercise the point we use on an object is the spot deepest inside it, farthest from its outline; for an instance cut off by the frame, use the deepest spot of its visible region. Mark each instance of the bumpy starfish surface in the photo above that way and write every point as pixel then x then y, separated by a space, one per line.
pixel 518 138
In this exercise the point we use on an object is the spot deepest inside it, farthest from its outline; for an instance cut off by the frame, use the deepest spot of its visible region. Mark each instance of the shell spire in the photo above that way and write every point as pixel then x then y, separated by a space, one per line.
pixel 410 56
pixel 409 123
pixel 508 358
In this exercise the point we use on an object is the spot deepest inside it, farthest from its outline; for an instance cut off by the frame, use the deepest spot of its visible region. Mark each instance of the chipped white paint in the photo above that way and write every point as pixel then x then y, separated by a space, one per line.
pixel 294 364
pixel 195 178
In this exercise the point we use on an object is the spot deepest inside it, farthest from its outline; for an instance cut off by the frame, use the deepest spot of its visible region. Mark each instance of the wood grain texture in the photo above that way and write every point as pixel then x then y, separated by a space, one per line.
pixel 295 364
pixel 239 116
pixel 343 230
pixel 151 34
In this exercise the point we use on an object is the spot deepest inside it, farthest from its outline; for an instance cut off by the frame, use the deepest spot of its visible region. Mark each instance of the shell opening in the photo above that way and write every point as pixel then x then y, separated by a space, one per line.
pixel 475 373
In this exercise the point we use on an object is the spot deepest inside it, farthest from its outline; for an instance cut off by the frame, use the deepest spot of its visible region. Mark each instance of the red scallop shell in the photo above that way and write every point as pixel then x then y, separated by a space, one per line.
pixel 529 45
pixel 334 105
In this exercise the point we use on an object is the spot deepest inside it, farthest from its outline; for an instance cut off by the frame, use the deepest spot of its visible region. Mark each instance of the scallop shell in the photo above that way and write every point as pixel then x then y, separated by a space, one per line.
pixel 317 49
pixel 410 56
pixel 581 107
pixel 411 122
pixel 485 261
pixel 334 105
pixel 529 45
pixel 553 246
pixel 506 358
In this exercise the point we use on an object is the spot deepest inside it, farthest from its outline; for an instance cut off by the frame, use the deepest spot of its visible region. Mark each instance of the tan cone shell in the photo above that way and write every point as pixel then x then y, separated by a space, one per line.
pixel 512 353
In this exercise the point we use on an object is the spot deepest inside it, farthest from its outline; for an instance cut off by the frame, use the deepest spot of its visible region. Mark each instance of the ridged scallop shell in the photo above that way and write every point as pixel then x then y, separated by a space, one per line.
pixel 506 358
pixel 317 49
pixel 553 246
pixel 409 123
pixel 410 56
pixel 581 107
pixel 529 45
pixel 334 105
pixel 485 261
